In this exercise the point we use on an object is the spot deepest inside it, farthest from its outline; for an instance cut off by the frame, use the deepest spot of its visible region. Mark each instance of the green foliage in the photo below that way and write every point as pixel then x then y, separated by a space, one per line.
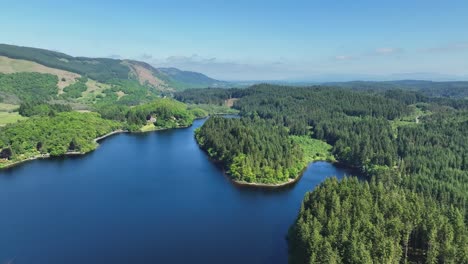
pixel 102 70
pixel 252 151
pixel 210 96
pixel 167 112
pixel 76 89
pixel 186 79
pixel 135 93
pixel 314 149
pixel 355 222
pixel 198 112
pixel 112 111
pixel 215 109
pixel 55 135
pixel 28 86
pixel 424 167
pixel 37 108
pixel 418 88
pixel 434 157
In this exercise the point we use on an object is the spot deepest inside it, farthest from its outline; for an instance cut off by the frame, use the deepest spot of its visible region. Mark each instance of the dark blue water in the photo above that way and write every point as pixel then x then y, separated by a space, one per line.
pixel 144 198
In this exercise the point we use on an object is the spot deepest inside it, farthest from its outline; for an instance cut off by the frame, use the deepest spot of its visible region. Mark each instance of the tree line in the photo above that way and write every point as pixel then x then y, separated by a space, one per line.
pixel 415 198
pixel 253 151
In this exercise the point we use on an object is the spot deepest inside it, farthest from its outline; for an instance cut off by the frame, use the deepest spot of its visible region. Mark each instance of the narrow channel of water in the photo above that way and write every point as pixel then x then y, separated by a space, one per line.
pixel 144 198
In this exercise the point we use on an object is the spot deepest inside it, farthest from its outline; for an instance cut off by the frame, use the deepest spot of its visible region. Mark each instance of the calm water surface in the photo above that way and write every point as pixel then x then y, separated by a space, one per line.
pixel 144 198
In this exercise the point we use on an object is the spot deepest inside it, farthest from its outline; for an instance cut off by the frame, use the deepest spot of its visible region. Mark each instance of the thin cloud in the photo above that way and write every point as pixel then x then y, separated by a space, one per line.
pixel 384 51
pixel 452 47
pixel 230 69
pixel 344 58
pixel 387 51
pixel 145 56
pixel 114 56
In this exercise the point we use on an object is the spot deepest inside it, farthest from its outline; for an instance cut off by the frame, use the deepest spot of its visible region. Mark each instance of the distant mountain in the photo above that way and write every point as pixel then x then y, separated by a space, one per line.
pixel 194 79
pixel 105 70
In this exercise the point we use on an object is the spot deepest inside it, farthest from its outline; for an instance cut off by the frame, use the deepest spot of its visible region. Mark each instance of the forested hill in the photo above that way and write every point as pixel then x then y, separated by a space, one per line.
pixel 456 89
pixel 411 148
pixel 106 70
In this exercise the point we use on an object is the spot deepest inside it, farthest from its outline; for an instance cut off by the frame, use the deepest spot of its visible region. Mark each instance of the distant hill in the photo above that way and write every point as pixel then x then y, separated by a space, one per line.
pixel 455 89
pixel 197 80
pixel 105 70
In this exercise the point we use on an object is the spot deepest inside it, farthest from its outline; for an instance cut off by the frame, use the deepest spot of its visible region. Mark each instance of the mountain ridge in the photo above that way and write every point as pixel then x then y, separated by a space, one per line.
pixel 106 69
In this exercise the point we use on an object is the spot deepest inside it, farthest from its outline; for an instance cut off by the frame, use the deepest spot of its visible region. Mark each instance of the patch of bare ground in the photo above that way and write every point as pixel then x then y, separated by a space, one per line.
pixel 145 76
pixel 120 94
pixel 230 102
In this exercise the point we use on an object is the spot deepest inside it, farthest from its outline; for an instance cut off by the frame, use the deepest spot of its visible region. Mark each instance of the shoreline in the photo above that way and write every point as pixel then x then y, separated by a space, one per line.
pixel 258 184
pixel 77 153
pixel 271 185
pixel 267 185
pixel 119 131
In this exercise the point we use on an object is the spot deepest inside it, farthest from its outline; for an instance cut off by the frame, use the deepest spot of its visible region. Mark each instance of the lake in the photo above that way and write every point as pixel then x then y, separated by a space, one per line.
pixel 145 198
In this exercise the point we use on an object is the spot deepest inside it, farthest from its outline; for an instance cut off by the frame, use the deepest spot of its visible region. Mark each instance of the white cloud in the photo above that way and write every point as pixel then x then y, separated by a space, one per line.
pixel 344 57
pixel 387 51
pixel 145 56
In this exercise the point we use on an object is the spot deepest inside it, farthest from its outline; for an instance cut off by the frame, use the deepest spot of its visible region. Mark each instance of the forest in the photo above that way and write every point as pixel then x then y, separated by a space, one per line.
pixel 349 221
pixel 412 148
pixel 53 129
pixel 54 135
pixel 165 112
pixel 27 86
pixel 252 151
pixel 101 69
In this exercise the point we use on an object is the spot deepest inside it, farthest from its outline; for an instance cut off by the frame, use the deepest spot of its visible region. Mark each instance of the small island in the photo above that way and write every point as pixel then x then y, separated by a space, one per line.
pixel 258 153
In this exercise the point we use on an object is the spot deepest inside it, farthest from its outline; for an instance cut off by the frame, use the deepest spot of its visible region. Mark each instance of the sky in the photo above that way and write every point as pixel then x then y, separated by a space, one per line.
pixel 310 40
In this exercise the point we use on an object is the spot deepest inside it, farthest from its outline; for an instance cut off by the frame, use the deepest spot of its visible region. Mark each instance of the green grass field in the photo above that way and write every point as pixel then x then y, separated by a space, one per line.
pixel 148 127
pixel 7 114
pixel 410 120
pixel 314 149
pixel 8 107
pixel 10 117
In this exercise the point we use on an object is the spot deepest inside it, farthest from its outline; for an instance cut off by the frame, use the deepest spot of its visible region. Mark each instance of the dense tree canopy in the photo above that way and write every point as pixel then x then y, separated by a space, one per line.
pixel 166 113
pixel 55 135
pixel 252 150
pixel 360 222
pixel 413 150
pixel 100 69
pixel 28 86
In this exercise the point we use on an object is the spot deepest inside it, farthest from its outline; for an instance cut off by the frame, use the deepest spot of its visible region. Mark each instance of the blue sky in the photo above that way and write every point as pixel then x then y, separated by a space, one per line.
pixel 255 40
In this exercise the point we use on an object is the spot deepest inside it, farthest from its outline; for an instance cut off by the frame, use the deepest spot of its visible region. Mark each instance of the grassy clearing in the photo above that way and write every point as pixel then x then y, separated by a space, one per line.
pixel 8 114
pixel 215 109
pixel 314 149
pixel 93 90
pixel 148 127
pixel 10 117
pixel 8 107
pixel 410 120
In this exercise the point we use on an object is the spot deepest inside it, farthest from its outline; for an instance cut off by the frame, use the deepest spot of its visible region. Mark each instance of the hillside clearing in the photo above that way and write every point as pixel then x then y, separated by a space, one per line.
pixel 8 65
pixel 10 117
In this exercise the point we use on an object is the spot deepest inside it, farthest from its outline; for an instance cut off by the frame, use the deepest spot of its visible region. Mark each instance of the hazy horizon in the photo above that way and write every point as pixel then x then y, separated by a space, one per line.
pixel 256 40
